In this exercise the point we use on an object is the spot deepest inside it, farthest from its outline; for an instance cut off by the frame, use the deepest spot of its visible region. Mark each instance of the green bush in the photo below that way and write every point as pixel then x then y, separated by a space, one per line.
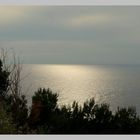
pixel 6 124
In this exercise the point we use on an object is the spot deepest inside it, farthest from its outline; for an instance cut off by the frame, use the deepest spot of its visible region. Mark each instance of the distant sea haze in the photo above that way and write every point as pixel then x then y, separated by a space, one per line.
pixel 117 85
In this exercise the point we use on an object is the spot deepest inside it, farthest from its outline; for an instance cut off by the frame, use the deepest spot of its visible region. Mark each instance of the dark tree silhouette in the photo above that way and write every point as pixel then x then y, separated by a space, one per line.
pixel 44 104
pixel 4 81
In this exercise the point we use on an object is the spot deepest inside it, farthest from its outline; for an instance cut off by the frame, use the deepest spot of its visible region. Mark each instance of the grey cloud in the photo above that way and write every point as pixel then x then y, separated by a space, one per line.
pixel 47 31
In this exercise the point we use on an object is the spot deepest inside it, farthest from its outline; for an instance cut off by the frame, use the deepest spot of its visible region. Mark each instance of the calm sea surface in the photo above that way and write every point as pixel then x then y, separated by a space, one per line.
pixel 117 85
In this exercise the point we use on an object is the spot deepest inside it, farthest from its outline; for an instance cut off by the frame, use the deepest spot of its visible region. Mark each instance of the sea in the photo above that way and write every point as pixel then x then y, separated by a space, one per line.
pixel 116 85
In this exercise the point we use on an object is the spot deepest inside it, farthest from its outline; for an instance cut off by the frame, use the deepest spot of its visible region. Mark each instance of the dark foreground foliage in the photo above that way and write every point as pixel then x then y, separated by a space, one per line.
pixel 46 117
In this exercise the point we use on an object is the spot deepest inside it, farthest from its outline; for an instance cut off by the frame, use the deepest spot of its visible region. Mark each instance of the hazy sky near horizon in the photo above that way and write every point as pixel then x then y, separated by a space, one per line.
pixel 72 34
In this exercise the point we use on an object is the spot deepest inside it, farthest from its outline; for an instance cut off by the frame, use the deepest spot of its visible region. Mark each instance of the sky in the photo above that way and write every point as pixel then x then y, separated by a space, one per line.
pixel 72 34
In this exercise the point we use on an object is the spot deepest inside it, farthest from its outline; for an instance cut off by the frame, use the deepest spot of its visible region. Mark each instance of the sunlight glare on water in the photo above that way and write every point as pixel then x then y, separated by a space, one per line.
pixel 117 86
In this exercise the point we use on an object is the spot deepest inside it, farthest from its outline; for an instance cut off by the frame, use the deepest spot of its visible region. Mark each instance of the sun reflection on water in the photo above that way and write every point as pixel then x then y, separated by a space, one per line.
pixel 72 82
pixel 112 85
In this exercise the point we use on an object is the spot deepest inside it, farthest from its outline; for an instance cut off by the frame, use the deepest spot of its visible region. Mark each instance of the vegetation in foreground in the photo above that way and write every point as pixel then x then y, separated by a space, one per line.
pixel 46 117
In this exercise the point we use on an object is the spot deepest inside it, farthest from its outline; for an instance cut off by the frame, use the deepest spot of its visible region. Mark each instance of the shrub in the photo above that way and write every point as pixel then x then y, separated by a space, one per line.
pixel 44 103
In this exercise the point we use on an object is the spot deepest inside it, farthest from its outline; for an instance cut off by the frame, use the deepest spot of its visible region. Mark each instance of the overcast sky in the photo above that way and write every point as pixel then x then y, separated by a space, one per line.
pixel 72 34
